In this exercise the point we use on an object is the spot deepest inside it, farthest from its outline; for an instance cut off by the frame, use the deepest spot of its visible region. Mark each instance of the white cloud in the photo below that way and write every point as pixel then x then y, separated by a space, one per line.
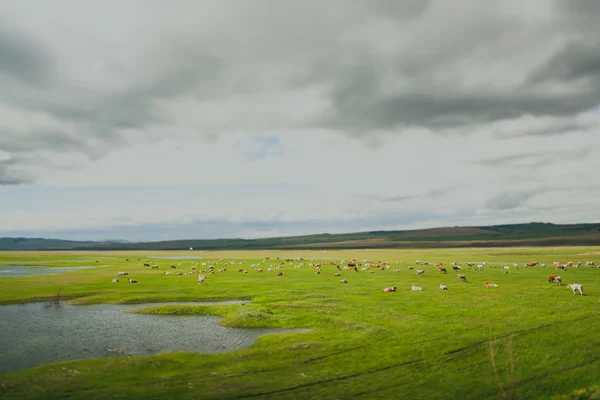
pixel 374 111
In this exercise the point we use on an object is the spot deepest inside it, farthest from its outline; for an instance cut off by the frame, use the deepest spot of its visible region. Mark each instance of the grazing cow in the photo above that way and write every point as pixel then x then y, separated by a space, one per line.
pixel 416 288
pixel 155 267
pixel 146 265
pixel 337 274
pixel 390 289
pixel 343 281
pixel 479 267
pixel 555 278
pixel 201 278
pixel 131 280
pixel 575 287
pixel 179 273
pixel 442 269
pixel 166 272
pixel 122 274
pixel 456 267
pixel 411 267
pixel 461 277
pixel 443 287
pixel 420 271
pixel 280 273
pixel 531 264
pixel 116 280
pixel 490 284
pixel 506 267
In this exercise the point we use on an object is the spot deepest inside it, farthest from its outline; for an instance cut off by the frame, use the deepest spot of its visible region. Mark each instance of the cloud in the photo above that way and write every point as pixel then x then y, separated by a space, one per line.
pixel 367 68
pixel 24 59
pixel 509 200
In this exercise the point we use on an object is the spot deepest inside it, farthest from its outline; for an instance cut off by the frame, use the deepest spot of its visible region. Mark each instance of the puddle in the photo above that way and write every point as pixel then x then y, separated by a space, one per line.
pixel 177 257
pixel 20 270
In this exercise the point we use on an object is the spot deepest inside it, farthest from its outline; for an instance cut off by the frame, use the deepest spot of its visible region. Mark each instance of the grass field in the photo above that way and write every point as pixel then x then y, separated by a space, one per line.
pixel 363 343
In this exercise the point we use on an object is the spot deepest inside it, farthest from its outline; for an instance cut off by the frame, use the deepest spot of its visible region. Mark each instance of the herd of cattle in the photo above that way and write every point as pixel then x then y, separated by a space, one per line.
pixel 210 268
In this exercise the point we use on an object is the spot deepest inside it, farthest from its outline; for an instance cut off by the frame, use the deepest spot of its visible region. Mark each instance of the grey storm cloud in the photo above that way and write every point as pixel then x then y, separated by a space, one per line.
pixel 24 58
pixel 376 66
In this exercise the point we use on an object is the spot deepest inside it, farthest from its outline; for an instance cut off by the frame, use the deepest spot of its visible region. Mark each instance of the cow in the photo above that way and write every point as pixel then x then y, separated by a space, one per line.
pixel 575 287
pixel 116 280
pixel 122 273
pixel 531 264
pixel 146 265
pixel 131 280
pixel 416 288
pixel 461 277
pixel 280 273
pixel 343 281
pixel 456 267
pixel 490 284
pixel 155 267
pixel 443 287
pixel 442 269
pixel 555 278
pixel 420 272
pixel 389 289
pixel 201 278
pixel 173 266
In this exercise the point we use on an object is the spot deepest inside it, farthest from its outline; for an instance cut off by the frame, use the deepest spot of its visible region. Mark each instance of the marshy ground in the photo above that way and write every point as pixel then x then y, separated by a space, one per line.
pixel 525 337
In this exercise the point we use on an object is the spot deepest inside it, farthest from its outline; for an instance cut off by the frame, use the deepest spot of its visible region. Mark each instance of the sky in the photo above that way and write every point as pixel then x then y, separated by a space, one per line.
pixel 152 120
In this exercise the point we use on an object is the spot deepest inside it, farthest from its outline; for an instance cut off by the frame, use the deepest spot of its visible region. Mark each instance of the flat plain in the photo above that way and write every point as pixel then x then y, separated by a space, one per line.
pixel 526 338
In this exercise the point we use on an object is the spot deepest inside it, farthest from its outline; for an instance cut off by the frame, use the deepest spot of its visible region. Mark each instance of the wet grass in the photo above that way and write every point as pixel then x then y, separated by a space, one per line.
pixel 363 343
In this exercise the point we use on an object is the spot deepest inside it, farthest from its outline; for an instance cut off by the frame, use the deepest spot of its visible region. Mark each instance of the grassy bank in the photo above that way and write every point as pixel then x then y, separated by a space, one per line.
pixel 363 343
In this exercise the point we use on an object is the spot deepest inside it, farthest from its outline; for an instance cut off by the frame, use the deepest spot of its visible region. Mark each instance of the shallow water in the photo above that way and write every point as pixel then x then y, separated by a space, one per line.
pixel 33 334
pixel 21 270
pixel 177 257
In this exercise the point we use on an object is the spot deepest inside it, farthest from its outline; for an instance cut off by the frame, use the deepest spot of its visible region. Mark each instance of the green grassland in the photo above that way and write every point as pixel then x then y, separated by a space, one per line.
pixel 362 343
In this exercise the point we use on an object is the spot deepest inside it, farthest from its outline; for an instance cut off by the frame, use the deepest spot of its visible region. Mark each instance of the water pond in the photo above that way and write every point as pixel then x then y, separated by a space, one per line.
pixel 177 257
pixel 34 334
pixel 20 270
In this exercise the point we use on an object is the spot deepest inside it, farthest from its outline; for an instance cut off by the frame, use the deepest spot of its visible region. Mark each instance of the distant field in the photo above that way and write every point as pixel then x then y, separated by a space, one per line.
pixel 531 234
pixel 363 343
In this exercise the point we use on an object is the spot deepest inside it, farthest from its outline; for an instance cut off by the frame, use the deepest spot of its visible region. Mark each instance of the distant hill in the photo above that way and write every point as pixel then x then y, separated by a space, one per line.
pixel 531 234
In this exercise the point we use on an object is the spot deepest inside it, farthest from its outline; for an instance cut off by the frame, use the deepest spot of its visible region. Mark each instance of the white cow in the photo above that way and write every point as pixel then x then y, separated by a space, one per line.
pixel 575 287
pixel 443 287
pixel 416 288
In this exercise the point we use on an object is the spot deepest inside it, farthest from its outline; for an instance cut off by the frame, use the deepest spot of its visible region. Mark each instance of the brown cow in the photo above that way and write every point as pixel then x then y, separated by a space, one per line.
pixel 461 277
pixel 555 278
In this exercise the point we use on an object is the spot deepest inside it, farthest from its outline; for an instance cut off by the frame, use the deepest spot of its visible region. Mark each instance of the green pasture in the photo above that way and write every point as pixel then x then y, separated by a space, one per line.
pixel 526 339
